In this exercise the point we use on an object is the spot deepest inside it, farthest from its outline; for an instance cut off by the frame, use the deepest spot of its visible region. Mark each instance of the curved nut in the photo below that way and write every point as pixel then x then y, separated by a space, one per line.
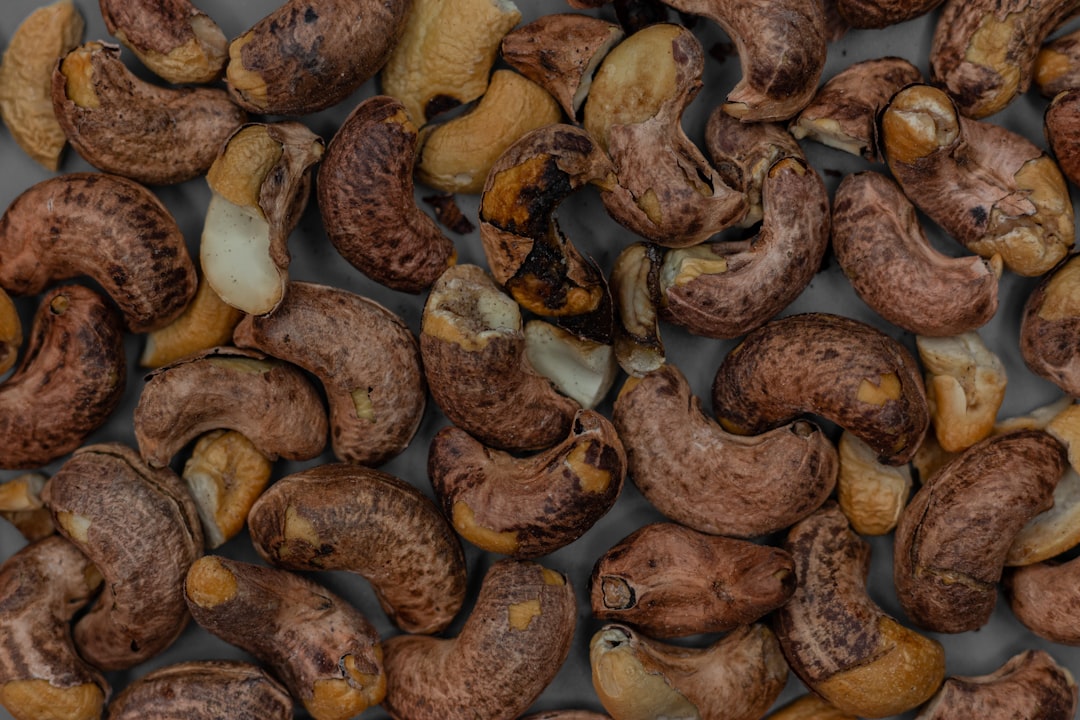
pixel 885 254
pixel 169 134
pixel 701 476
pixel 269 402
pixel 809 707
pixel 366 358
pixel 473 352
pixel 21 505
pixel 839 642
pixel 348 517
pixel 1061 121
pixel 1057 65
pixel 1053 531
pixel 72 374
pixel 206 322
pixel 177 41
pixel 11 332
pixel 528 507
pixel 310 54
pixel 671 581
pixel 204 689
pixel 878 14
pixel 41 675
pixel 1044 598
pixel 582 369
pixel 106 227
pixel 510 648
pixel 854 375
pixel 325 652
pixel 953 537
pixel 871 494
pixel 141 529
pixel 635 287
pixel 365 192
pixel 990 189
pixel 1049 324
pixel 736 678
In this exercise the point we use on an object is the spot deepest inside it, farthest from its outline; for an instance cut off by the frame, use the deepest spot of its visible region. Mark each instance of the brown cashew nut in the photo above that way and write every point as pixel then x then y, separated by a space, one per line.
pixel 21 505
pixel 878 14
pixel 41 674
pixel 106 227
pixel 271 403
pixel 204 689
pixel 366 358
pixel 311 54
pixel 1057 65
pixel 365 192
pixel 528 507
pixel 1061 121
pixel 839 642
pixel 510 648
pixel 735 678
pixel 206 322
pixel 886 255
pixel 953 538
pixel 1048 327
pixel 324 651
pixel 72 374
pixel 701 476
pixel 990 189
pixel 170 135
pixel 671 581
pixel 348 517
pixel 851 373
pixel 107 501
pixel 1044 598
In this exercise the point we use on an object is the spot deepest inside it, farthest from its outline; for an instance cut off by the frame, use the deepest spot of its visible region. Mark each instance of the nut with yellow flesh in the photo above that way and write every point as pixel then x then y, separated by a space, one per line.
pixel 635 287
pixel 225 475
pixel 810 707
pixel 206 322
pixel 21 505
pixel 11 333
pixel 1048 327
pixel 1036 419
pixel 871 494
pixel 177 41
pixel 1057 65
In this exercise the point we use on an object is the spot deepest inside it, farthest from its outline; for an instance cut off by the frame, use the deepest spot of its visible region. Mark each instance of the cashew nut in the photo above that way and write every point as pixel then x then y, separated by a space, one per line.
pixel 582 369
pixel 871 494
pixel 635 287
pixel 1061 120
pixel 1048 327
pixel 206 322
pixel 1043 597
pixel 11 332
pixel 1057 65
pixel 880 14
pixel 21 505
pixel 809 707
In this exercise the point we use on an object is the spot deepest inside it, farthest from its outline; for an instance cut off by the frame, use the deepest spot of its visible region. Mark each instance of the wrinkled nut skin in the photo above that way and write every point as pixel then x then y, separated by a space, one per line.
pixel 856 376
pixel 885 254
pixel 72 374
pixel 271 403
pixel 153 135
pixel 322 649
pixel 701 476
pixel 1044 598
pixel 348 517
pixel 107 501
pixel 877 14
pixel 41 675
pixel 106 227
pixel 510 648
pixel 1049 326
pixel 202 690
pixel 365 194
pixel 839 642
pixel 311 54
pixel 528 507
pixel 954 535
pixel 1061 123
pixel 670 581
pixel 366 358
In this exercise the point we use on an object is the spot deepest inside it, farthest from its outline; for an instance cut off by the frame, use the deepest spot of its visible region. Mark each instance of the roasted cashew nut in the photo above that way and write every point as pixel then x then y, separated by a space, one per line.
pixel 1061 120
pixel 1048 327
pixel 1043 597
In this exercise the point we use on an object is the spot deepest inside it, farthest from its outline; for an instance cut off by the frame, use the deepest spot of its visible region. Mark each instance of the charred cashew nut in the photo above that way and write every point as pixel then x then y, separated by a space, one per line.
pixel 839 642
pixel 701 476
pixel 260 184
pixel 1044 598
pixel 310 54
pixel 325 651
pixel 871 494
pixel 1057 66
pixel 225 474
pixel 991 189
pixel 1061 121
pixel 113 230
pixel 560 52
pixel 843 113
pixel 954 535
pixel 457 155
pixel 348 517
pixel 177 41
pixel 473 352
pixel 170 134
pixel 107 502
pixel 983 52
pixel 21 505
pixel 26 79
pixel 582 369
pixel 446 53
pixel 1029 684
pixel 1048 327
pixel 635 287
pixel 860 378
pixel 670 581
pixel 810 707
pixel 365 192
pixel 11 332
pixel 41 675
pixel 366 358
pixel 737 677
pixel 666 191
pixel 202 690
pixel 510 648
pixel 528 507
pixel 72 374
pixel 271 403
pixel 885 254
pixel 206 322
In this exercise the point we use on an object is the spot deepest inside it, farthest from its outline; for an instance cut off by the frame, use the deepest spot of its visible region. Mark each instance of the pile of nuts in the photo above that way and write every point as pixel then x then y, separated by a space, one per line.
pixel 354 356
